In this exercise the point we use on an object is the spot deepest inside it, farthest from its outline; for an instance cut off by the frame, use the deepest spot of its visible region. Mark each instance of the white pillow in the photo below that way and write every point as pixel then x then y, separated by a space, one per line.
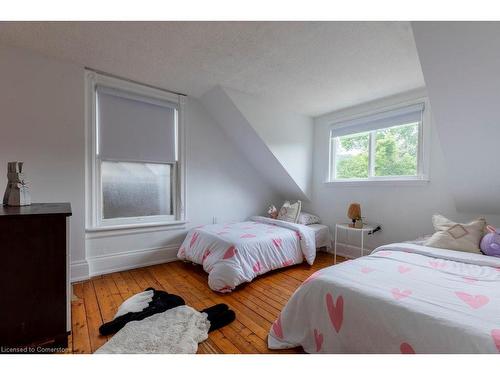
pixel 456 236
pixel 308 219
pixel 290 212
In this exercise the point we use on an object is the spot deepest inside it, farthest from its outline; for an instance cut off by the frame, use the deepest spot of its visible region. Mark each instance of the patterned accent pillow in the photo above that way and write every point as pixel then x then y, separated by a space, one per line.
pixel 456 236
pixel 308 219
pixel 290 212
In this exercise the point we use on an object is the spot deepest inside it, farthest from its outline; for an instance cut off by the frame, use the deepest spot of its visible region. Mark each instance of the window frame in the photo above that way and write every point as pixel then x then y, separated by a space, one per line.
pixel 94 216
pixel 423 153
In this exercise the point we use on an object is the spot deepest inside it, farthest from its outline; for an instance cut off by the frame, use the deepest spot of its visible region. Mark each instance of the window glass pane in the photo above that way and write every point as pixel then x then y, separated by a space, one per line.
pixel 397 150
pixel 135 189
pixel 351 156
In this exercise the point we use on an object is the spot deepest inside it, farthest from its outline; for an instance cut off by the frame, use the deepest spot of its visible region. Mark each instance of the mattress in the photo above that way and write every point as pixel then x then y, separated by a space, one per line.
pixel 322 235
pixel 238 252
pixel 403 298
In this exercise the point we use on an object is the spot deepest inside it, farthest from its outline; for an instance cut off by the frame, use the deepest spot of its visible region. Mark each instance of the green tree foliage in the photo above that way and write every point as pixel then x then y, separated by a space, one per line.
pixel 352 160
pixel 395 153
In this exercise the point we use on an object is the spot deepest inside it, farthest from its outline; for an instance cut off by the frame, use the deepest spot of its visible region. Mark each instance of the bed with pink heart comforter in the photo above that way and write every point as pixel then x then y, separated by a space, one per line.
pixel 238 252
pixel 403 298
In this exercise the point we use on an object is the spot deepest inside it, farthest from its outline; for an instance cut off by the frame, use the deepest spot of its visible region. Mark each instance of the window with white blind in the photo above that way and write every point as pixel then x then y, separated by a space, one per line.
pixel 135 164
pixel 383 146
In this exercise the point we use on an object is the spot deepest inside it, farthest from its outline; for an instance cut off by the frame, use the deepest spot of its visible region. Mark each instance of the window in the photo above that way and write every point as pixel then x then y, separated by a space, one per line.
pixel 384 146
pixel 135 154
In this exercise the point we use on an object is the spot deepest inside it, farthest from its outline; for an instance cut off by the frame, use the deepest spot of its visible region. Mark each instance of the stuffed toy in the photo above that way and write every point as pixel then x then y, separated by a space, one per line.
pixel 151 301
pixel 272 211
pixel 490 243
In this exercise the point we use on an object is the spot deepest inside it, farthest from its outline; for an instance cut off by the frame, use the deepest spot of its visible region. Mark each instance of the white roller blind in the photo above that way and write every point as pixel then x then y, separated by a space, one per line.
pixel 135 128
pixel 400 116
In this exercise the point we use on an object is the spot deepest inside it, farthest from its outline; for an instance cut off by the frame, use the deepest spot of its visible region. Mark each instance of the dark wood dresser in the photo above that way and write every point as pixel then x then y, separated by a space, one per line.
pixel 35 292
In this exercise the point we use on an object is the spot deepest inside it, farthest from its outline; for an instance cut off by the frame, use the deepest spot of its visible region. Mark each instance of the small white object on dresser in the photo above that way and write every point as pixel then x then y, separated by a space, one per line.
pixel 17 192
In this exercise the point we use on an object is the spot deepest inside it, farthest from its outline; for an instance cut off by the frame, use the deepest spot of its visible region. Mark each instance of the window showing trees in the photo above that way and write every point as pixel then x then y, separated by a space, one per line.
pixel 352 156
pixel 387 152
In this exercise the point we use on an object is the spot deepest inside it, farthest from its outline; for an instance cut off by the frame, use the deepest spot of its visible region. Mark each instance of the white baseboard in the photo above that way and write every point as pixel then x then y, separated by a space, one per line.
pixel 350 251
pixel 103 264
pixel 79 271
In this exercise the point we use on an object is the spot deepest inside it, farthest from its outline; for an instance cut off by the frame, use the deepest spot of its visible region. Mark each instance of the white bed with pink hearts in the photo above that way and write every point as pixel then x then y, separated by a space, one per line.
pixel 403 298
pixel 236 253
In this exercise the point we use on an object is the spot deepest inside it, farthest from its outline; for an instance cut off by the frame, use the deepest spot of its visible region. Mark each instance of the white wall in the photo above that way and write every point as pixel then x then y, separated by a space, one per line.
pixel 42 107
pixel 221 184
pixel 460 62
pixel 404 211
pixel 42 124
pixel 288 135
pixel 242 133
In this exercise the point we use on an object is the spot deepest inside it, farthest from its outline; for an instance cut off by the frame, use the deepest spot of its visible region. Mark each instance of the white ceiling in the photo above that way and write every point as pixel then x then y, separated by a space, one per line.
pixel 310 67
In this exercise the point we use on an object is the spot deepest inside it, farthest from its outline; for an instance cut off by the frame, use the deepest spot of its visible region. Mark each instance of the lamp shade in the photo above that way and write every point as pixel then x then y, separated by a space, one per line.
pixel 354 211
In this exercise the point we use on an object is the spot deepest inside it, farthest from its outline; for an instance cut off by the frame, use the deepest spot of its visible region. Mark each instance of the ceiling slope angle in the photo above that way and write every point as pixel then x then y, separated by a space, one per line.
pixel 225 111
pixel 460 63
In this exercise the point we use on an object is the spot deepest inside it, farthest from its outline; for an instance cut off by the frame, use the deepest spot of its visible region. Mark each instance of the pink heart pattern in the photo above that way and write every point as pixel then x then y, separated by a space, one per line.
pixel 367 270
pixel 277 242
pixel 256 267
pixel 406 348
pixel 495 334
pixel 318 339
pixel 277 329
pixel 225 289
pixel 400 294
pixel 469 280
pixel 194 238
pixel 383 253
pixel 404 269
pixel 437 265
pixel 248 235
pixel 229 253
pixel 335 311
pixel 182 252
pixel 474 301
pixel 287 263
pixel 205 255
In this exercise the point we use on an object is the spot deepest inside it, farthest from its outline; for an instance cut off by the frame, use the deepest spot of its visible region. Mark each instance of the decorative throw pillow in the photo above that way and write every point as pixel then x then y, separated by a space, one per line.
pixel 290 212
pixel 456 236
pixel 308 219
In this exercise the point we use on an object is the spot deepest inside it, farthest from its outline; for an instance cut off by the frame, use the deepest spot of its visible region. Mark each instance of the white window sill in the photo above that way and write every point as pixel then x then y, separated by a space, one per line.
pixel 118 230
pixel 381 182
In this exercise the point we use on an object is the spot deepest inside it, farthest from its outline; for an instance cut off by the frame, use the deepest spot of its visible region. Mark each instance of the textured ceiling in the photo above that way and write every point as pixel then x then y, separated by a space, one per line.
pixel 310 67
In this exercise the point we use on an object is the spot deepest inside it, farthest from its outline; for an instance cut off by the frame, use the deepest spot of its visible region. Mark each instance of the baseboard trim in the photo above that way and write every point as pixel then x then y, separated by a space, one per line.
pixel 79 271
pixel 103 264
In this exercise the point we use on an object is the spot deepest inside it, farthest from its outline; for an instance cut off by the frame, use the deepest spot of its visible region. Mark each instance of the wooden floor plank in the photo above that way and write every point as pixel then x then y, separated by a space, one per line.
pixel 94 318
pixel 256 304
pixel 79 329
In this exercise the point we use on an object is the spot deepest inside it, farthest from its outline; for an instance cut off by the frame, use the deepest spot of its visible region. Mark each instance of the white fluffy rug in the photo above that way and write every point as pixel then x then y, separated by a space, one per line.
pixel 178 330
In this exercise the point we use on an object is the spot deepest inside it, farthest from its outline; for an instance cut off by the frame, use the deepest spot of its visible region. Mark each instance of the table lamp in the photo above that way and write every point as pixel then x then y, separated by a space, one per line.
pixel 354 213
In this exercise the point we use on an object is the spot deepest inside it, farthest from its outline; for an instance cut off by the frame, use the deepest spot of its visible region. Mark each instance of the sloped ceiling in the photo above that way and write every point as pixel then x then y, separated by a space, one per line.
pixel 306 67
pixel 312 67
pixel 289 136
pixel 224 110
pixel 461 66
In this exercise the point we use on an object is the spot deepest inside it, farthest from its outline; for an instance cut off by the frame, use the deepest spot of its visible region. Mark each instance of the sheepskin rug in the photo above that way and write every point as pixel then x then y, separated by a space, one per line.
pixel 175 331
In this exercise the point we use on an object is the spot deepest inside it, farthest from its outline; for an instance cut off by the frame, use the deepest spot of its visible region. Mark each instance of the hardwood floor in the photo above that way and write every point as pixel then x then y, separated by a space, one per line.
pixel 257 304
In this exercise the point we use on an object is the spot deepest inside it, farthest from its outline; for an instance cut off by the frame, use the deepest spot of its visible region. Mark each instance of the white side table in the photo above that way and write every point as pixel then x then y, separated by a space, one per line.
pixel 367 229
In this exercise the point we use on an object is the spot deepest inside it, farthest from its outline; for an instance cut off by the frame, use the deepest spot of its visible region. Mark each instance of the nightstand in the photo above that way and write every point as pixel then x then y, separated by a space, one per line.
pixel 367 229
